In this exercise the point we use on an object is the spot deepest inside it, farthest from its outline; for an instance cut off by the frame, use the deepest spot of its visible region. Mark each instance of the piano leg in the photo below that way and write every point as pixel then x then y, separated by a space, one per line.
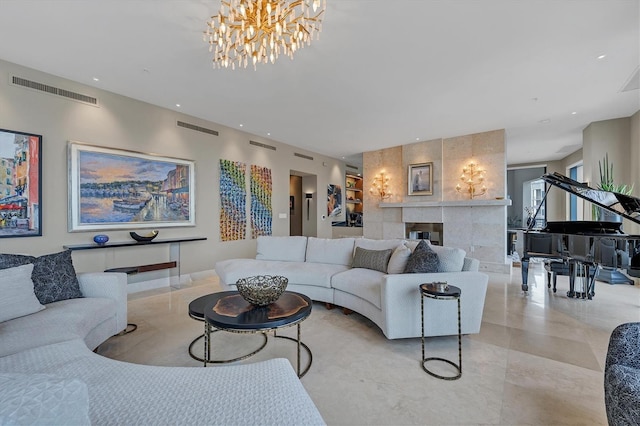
pixel 572 279
pixel 525 274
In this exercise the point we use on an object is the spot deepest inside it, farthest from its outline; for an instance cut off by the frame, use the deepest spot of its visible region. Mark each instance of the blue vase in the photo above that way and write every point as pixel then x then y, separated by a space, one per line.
pixel 100 239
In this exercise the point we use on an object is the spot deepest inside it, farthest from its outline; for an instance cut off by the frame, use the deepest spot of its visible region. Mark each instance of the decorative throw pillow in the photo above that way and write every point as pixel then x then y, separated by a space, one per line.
pixel 13 260
pixel 54 278
pixel 451 259
pixel 423 259
pixel 17 298
pixel 371 259
pixel 398 260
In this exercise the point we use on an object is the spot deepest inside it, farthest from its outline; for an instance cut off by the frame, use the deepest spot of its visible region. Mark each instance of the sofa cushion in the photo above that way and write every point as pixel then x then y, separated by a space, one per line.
pixel 60 321
pixel 398 260
pixel 287 249
pixel 43 399
pixel 364 283
pixel 371 259
pixel 338 251
pixel 17 298
pixel 371 244
pixel 422 260
pixel 303 273
pixel 450 259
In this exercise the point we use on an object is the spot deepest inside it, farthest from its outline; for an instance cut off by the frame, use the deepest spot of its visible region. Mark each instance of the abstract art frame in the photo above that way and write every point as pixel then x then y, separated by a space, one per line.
pixel 20 184
pixel 113 188
pixel 420 179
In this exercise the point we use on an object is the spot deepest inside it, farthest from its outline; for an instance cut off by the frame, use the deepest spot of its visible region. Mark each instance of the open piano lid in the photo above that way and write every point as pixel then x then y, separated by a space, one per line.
pixel 624 205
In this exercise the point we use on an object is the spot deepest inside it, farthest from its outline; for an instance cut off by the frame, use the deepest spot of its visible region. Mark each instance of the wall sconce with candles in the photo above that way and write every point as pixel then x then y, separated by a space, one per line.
pixel 472 177
pixel 380 186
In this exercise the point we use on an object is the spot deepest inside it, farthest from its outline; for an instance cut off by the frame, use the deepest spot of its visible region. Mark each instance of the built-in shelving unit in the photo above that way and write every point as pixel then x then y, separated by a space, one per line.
pixel 354 196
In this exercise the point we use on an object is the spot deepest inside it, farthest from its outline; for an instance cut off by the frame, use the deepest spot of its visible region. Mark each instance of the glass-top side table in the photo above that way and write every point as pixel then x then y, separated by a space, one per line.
pixel 441 291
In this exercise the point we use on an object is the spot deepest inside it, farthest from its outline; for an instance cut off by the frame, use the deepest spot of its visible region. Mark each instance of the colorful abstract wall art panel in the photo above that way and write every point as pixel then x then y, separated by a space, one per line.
pixel 233 204
pixel 261 211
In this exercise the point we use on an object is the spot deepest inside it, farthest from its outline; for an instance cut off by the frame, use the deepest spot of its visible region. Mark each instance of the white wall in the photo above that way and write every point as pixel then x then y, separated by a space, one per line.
pixel 121 122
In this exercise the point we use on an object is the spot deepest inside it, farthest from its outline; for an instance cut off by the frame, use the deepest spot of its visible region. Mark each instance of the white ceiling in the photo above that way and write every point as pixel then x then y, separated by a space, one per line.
pixel 384 73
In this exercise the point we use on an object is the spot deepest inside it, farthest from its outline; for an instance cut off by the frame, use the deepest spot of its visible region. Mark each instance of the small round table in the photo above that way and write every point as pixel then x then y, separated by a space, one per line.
pixel 450 292
pixel 228 311
pixel 196 311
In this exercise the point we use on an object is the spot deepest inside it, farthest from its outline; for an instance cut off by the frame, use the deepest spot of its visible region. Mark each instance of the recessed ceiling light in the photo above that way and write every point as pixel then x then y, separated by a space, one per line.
pixel 574 113
pixel 268 134
pixel 417 139
pixel 178 105
pixel 242 125
pixel 545 121
pixel 602 56
pixel 96 79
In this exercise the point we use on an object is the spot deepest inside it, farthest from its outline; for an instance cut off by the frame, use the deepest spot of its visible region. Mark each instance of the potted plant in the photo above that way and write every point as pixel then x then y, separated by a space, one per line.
pixel 607 184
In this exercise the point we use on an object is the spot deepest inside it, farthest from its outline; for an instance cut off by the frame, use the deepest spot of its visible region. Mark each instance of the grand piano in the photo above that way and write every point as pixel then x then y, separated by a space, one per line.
pixel 584 246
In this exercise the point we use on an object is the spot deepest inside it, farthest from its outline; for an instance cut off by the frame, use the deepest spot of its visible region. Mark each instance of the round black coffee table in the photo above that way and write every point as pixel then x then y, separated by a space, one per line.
pixel 228 311
pixel 441 291
pixel 196 311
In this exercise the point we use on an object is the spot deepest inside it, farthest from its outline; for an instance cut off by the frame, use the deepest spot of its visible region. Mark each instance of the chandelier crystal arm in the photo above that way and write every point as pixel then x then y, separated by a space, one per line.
pixel 261 30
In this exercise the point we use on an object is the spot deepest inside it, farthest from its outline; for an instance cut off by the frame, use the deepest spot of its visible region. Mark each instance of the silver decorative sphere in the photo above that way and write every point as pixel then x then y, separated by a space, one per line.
pixel 262 290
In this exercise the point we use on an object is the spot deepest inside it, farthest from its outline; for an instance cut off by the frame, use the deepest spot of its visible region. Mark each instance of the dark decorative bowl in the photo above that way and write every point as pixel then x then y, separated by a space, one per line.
pixel 262 290
pixel 143 238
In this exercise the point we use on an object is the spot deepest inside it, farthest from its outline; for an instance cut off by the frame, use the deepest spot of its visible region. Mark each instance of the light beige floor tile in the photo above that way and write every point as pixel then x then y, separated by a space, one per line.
pixel 537 360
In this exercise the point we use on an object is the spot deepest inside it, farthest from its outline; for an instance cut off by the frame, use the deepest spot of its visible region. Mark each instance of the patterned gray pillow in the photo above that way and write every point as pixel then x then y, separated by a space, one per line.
pixel 54 277
pixel 12 260
pixel 371 259
pixel 422 260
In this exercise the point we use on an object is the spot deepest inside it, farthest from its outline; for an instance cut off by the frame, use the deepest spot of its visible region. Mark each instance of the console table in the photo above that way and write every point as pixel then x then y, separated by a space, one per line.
pixel 174 250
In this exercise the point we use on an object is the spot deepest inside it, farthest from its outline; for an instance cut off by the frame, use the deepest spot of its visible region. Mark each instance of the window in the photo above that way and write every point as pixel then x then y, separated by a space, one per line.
pixel 576 205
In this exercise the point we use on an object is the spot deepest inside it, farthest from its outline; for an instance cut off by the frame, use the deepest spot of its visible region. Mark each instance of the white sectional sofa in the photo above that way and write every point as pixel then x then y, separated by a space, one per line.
pixel 322 269
pixel 49 374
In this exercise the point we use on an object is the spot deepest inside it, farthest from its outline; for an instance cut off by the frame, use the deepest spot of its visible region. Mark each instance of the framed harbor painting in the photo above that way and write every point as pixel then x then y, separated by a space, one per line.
pixel 119 189
pixel 20 184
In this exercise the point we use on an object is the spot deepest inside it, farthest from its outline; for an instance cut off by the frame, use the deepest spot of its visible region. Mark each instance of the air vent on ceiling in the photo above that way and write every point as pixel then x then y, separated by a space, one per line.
pixel 349 166
pixel 262 145
pixel 34 85
pixel 197 128
pixel 633 83
pixel 306 157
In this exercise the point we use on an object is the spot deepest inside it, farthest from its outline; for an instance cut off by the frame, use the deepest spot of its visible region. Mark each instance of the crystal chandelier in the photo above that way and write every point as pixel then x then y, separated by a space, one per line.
pixel 253 31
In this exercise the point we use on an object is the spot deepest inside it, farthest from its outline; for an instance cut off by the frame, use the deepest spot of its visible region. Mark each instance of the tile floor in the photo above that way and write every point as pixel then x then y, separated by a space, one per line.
pixel 538 359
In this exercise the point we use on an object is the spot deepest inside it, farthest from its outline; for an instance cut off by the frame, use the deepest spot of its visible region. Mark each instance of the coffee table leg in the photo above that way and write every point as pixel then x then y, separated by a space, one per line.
pixel 207 342
pixel 298 349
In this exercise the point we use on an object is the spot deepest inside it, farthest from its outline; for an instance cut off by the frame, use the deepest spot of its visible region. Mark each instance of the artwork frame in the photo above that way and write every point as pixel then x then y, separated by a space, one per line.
pixel 20 184
pixel 146 190
pixel 334 202
pixel 420 180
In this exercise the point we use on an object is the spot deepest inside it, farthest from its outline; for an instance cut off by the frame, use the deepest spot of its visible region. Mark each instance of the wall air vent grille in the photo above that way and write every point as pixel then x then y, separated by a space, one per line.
pixel 34 85
pixel 349 166
pixel 262 145
pixel 306 157
pixel 197 128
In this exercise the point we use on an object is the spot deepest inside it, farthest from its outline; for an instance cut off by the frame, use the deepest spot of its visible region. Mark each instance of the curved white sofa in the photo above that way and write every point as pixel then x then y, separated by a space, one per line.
pixel 49 374
pixel 321 269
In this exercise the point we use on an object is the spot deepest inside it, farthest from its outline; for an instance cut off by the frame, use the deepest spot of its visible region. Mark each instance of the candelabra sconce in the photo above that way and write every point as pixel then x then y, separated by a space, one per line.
pixel 472 181
pixel 380 186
